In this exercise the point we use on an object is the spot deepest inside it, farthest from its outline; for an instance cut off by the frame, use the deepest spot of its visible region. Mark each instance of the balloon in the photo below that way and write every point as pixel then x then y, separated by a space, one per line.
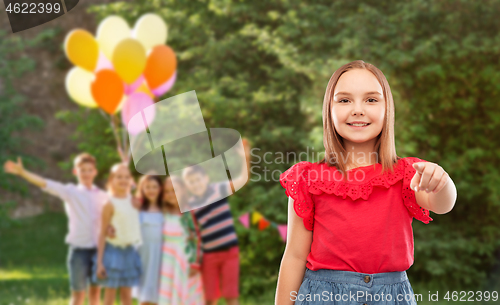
pixel 81 49
pixel 129 59
pixel 150 30
pixel 160 66
pixel 163 88
pixel 129 89
pixel 122 102
pixel 110 32
pixel 107 90
pixel 78 83
pixel 145 89
pixel 134 104
pixel 103 63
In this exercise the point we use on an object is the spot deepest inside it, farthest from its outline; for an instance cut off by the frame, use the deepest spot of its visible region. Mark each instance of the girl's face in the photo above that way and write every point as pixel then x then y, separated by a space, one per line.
pixel 169 193
pixel 151 190
pixel 358 107
pixel 122 179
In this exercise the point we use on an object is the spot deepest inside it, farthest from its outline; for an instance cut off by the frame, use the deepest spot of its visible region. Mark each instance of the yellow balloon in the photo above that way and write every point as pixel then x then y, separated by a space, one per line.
pixel 145 89
pixel 110 32
pixel 78 82
pixel 81 49
pixel 129 59
pixel 150 30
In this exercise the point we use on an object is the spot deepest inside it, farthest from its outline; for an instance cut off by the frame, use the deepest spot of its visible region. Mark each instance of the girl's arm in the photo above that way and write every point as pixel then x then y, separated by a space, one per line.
pixel 242 179
pixel 294 260
pixel 107 213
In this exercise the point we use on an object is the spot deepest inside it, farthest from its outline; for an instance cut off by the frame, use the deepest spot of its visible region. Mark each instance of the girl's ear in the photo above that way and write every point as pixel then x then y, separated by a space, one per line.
pixel 73 171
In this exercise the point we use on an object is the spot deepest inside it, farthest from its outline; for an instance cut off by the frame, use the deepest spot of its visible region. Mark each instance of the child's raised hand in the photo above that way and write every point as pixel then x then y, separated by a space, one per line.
pixel 246 148
pixel 15 168
pixel 429 177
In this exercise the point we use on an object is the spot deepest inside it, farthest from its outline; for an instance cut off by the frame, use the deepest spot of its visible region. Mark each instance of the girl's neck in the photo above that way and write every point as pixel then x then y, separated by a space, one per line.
pixel 171 209
pixel 153 206
pixel 360 154
pixel 119 193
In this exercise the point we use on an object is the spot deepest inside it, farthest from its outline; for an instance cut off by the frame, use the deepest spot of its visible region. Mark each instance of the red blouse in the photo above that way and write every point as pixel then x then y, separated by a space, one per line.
pixel 362 224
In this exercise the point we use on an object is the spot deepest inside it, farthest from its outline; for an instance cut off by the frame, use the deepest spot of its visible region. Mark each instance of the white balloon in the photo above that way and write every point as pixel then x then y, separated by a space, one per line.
pixel 150 30
pixel 110 32
pixel 78 84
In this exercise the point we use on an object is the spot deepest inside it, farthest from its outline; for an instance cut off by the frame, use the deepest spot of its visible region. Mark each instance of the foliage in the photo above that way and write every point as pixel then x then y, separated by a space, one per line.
pixel 13 118
pixel 262 68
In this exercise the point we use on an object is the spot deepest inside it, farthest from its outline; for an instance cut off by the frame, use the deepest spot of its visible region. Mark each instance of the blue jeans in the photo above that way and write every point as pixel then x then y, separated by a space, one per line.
pixel 80 265
pixel 326 286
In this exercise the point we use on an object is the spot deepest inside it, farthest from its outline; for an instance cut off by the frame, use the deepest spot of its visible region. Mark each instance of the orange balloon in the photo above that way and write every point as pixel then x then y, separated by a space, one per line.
pixel 160 66
pixel 107 90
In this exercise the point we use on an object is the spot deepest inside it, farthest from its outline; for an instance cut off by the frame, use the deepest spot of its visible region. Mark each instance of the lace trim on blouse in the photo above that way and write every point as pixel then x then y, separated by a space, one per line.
pixel 300 186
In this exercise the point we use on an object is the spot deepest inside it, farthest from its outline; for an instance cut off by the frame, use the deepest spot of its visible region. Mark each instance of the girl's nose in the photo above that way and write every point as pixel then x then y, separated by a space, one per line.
pixel 358 108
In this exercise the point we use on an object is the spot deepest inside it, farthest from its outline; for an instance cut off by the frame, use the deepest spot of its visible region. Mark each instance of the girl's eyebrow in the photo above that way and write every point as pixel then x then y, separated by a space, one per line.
pixel 366 93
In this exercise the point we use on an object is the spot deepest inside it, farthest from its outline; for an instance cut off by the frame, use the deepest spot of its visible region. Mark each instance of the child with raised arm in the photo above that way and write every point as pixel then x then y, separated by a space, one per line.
pixel 118 264
pixel 83 204
pixel 350 239
pixel 220 264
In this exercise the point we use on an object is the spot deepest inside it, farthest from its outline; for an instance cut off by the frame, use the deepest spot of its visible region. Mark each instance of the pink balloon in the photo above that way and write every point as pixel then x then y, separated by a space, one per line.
pixel 163 88
pixel 103 63
pixel 129 89
pixel 134 104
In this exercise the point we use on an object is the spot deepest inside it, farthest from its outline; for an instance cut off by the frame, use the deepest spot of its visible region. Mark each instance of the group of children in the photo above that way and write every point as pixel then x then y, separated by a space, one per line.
pixel 142 246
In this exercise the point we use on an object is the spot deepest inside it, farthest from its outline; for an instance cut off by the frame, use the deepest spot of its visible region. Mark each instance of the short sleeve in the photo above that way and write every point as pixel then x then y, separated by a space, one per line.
pixel 295 180
pixel 409 198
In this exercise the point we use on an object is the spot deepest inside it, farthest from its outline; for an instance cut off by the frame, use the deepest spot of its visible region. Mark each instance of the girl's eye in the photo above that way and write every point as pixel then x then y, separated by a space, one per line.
pixel 341 101
pixel 373 100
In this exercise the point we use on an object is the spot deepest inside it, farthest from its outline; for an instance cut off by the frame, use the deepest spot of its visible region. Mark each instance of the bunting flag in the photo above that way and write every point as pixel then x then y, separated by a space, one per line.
pixel 282 230
pixel 245 220
pixel 256 216
pixel 262 223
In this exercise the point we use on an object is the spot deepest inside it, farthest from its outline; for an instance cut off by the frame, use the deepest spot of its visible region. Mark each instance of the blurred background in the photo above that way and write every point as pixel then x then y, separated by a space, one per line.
pixel 261 67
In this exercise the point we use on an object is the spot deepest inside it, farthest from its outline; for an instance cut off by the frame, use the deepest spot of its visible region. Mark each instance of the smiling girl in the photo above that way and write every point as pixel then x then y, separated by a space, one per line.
pixel 350 239
pixel 118 262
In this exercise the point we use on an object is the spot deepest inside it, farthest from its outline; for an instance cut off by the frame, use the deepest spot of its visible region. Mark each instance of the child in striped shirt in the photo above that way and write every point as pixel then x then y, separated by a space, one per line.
pixel 220 263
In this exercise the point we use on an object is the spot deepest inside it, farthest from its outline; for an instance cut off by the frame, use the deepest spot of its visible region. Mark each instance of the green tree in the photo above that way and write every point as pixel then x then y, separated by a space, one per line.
pixel 262 68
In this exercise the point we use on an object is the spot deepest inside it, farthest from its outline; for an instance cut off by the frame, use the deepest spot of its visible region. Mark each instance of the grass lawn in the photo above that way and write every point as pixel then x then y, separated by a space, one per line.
pixel 33 263
pixel 33 268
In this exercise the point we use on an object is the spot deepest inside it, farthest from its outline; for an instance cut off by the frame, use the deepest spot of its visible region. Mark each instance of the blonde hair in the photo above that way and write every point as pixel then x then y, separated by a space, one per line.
pixel 333 142
pixel 84 158
pixel 112 171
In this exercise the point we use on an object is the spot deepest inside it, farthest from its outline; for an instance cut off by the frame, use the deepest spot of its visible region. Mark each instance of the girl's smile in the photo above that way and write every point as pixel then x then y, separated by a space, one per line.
pixel 358 107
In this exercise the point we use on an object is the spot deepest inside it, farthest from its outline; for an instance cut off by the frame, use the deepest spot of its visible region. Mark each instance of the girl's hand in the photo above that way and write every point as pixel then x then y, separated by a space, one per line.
pixel 111 232
pixel 15 168
pixel 101 271
pixel 429 177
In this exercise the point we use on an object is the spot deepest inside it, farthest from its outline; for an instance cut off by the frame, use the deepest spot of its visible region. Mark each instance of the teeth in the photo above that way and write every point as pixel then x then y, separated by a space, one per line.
pixel 358 125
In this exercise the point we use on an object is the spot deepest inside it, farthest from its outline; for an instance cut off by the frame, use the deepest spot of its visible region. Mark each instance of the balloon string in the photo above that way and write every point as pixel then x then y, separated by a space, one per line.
pixel 117 137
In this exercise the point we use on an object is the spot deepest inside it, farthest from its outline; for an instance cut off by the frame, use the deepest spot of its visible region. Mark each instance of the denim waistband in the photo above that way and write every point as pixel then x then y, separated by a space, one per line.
pixel 364 279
